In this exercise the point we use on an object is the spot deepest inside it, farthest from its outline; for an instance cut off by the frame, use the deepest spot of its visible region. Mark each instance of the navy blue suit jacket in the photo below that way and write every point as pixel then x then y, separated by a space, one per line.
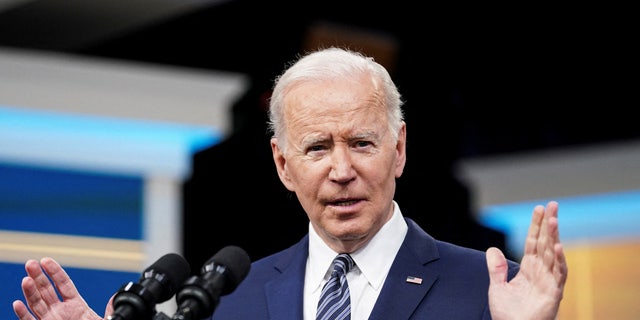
pixel 455 283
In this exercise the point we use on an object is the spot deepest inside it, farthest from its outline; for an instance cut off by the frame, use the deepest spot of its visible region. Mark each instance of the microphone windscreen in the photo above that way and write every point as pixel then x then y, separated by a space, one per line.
pixel 237 262
pixel 171 270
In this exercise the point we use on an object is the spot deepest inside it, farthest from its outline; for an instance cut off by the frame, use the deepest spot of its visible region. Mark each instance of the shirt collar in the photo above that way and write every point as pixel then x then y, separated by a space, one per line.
pixel 372 259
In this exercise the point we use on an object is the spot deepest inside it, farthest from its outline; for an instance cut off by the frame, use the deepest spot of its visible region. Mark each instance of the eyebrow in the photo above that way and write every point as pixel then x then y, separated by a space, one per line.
pixel 313 139
pixel 370 134
pixel 320 138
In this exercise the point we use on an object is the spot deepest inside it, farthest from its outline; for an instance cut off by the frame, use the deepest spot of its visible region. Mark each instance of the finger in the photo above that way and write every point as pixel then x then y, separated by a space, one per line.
pixel 531 243
pixel 549 236
pixel 551 214
pixel 60 278
pixel 33 268
pixel 21 311
pixel 33 297
pixel 548 231
pixel 497 265
pixel 542 244
pixel 46 291
pixel 30 287
pixel 560 270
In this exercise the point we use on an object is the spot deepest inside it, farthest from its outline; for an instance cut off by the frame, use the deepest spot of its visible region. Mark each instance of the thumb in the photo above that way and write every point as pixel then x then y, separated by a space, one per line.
pixel 497 265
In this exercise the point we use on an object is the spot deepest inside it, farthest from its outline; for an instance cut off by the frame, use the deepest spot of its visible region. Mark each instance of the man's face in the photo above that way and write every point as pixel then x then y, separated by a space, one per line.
pixel 341 160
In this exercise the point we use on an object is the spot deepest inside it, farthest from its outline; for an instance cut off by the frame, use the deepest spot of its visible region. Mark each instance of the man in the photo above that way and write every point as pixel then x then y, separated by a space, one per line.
pixel 339 143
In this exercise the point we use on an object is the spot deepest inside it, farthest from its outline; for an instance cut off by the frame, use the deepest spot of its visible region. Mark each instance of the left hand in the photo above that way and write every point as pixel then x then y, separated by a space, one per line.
pixel 536 291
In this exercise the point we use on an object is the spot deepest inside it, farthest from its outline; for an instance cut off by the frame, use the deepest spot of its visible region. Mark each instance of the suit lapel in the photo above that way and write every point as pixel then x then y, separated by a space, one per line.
pixel 410 277
pixel 285 292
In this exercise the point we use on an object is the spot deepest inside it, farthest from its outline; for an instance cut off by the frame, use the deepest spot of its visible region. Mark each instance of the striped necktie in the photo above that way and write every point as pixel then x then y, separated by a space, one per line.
pixel 334 300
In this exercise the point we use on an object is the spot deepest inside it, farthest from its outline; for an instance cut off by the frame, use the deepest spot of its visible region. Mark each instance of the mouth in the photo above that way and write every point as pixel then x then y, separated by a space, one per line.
pixel 343 202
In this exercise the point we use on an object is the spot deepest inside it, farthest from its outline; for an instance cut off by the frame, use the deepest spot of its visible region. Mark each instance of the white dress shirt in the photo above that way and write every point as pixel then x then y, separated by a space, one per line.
pixel 366 278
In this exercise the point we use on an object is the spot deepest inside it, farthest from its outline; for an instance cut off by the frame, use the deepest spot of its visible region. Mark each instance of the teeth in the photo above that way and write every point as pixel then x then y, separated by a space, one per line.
pixel 345 203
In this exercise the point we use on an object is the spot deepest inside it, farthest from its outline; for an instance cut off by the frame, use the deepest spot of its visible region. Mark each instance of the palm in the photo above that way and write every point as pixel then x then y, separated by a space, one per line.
pixel 70 309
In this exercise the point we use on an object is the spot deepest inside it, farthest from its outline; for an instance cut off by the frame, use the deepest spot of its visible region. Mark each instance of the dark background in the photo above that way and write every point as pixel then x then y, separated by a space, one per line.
pixel 478 80
pixel 514 78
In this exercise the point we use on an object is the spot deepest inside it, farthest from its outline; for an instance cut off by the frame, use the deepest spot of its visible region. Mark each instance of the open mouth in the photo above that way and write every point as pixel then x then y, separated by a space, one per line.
pixel 343 203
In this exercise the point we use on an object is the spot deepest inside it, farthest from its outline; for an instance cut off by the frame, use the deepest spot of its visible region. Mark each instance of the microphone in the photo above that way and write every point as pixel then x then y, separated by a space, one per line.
pixel 158 283
pixel 220 275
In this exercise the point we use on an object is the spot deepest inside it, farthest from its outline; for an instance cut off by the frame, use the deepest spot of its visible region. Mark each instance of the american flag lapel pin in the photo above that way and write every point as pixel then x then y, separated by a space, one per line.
pixel 415 280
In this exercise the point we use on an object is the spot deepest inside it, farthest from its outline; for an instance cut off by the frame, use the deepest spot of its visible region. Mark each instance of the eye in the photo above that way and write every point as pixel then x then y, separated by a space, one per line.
pixel 363 144
pixel 316 148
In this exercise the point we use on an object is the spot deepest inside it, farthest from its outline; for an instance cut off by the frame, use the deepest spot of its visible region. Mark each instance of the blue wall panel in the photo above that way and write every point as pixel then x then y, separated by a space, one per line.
pixel 70 202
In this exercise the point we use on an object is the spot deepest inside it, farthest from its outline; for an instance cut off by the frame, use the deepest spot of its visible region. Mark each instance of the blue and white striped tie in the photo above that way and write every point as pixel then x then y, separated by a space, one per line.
pixel 335 303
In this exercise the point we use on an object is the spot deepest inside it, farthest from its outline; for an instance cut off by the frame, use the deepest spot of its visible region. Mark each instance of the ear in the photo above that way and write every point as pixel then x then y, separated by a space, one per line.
pixel 401 150
pixel 281 164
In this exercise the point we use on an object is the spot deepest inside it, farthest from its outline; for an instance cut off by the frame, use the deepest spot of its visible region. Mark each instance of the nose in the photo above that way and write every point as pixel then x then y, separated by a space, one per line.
pixel 342 170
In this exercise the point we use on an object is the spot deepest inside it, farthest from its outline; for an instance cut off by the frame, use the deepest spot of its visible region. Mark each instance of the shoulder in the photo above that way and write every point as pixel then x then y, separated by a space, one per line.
pixel 278 275
pixel 449 257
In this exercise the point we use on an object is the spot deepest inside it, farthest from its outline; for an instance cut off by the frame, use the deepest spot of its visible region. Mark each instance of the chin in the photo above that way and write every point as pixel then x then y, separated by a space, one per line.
pixel 351 235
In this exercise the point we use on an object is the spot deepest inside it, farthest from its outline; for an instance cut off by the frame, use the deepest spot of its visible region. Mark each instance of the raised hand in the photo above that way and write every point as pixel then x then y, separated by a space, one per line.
pixel 41 298
pixel 536 291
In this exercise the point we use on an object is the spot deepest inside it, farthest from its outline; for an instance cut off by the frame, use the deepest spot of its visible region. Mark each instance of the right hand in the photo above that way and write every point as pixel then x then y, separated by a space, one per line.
pixel 41 297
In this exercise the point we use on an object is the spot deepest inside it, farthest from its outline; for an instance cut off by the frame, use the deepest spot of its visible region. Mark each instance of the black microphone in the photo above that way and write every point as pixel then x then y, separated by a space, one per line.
pixel 220 275
pixel 158 283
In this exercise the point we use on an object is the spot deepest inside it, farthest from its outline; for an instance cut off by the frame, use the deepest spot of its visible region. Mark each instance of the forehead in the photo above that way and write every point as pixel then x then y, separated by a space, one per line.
pixel 334 101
